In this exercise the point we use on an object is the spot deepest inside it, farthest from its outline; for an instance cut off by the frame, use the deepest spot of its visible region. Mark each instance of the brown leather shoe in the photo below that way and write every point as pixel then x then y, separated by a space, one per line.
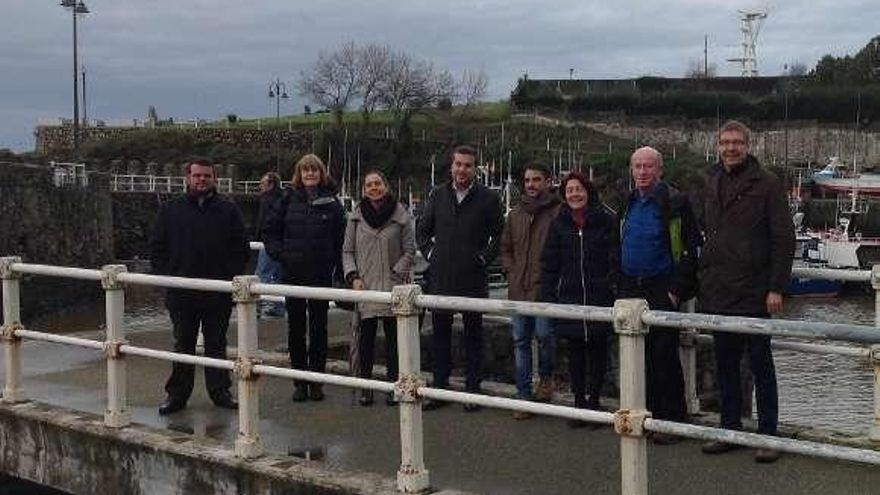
pixel 544 390
pixel 766 455
pixel 719 447
pixel 522 415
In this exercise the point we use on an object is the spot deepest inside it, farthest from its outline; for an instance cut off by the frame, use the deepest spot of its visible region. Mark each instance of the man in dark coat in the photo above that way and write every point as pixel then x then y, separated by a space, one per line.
pixel 458 233
pixel 745 267
pixel 200 235
pixel 660 240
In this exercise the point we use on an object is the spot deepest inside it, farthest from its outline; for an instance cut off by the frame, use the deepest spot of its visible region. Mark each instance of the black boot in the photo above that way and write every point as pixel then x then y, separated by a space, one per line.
pixel 300 392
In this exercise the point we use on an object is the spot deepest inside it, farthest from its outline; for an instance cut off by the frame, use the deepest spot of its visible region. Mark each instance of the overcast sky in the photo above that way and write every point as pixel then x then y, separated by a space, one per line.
pixel 208 58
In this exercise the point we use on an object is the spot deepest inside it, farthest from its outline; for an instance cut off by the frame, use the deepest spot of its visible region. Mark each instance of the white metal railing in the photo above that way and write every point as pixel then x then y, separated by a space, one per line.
pixel 158 183
pixel 629 316
pixel 164 183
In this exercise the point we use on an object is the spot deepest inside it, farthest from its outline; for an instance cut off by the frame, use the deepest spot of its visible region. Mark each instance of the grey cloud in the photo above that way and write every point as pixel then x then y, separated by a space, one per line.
pixel 204 58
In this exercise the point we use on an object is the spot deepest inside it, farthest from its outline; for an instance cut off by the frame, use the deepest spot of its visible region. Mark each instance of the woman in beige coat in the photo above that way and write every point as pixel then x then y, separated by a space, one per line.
pixel 377 255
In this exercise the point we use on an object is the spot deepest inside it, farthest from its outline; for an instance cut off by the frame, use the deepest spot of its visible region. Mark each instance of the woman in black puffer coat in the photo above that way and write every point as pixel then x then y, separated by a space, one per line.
pixel 304 231
pixel 578 266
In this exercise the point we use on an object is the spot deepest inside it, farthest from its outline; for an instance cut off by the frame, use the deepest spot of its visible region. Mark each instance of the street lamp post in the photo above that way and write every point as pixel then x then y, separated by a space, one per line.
pixel 277 90
pixel 75 9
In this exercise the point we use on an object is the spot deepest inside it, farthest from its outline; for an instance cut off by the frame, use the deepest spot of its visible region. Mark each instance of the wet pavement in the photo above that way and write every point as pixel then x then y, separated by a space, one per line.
pixel 486 452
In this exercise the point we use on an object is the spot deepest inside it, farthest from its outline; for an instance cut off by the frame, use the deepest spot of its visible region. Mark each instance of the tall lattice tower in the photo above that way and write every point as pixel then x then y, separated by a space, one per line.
pixel 750 28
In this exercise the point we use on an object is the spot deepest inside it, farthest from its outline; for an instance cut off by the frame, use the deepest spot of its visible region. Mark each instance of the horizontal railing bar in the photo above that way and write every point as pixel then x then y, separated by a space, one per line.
pixel 507 307
pixel 323 293
pixel 760 326
pixel 177 357
pixel 312 376
pixel 786 345
pixel 59 339
pixel 176 282
pixel 57 271
pixel 832 274
pixel 763 441
pixel 783 328
pixel 517 405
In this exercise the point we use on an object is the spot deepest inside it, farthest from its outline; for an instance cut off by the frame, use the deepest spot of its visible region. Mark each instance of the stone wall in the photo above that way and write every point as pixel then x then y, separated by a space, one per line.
pixel 51 139
pixel 68 225
pixel 135 213
pixel 809 144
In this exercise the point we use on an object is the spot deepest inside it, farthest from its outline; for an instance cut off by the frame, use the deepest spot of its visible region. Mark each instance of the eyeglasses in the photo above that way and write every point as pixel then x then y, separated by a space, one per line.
pixel 732 142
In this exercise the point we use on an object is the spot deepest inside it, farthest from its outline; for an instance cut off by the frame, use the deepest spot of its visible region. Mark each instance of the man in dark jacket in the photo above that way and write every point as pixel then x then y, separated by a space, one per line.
pixel 522 243
pixel 745 267
pixel 268 269
pixel 200 235
pixel 458 233
pixel 659 243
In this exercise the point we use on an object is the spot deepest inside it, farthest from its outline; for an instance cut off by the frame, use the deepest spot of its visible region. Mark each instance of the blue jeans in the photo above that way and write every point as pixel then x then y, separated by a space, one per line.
pixel 269 272
pixel 523 329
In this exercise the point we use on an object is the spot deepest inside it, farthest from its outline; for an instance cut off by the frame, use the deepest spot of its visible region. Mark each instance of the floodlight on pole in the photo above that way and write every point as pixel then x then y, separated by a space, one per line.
pixel 76 8
pixel 277 90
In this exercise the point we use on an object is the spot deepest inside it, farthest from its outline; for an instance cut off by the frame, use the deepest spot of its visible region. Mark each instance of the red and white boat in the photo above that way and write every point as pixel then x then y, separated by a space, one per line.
pixel 832 178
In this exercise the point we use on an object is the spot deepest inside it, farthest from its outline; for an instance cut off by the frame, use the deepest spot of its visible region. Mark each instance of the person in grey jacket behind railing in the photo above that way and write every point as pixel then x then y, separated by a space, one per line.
pixel 378 254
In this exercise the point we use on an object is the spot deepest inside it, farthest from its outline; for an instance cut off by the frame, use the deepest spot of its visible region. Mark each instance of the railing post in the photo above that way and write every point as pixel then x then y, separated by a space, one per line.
pixel 875 283
pixel 689 363
pixel 629 420
pixel 117 414
pixel 412 477
pixel 13 391
pixel 874 433
pixel 247 444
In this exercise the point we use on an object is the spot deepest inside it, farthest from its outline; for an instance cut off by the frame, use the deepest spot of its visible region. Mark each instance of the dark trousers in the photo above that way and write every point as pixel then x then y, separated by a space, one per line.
pixel 664 380
pixel 367 344
pixel 442 347
pixel 591 351
pixel 311 356
pixel 214 322
pixel 729 349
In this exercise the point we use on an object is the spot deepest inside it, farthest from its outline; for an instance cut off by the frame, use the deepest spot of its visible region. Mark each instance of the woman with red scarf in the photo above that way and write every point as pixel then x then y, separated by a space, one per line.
pixel 578 266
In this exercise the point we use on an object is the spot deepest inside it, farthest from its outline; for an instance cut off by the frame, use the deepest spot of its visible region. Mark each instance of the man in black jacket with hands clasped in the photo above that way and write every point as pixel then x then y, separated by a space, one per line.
pixel 201 235
pixel 458 232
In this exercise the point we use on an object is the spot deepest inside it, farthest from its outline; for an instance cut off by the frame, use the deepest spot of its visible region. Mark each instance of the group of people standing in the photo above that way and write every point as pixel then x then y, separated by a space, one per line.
pixel 737 261
pixel 564 247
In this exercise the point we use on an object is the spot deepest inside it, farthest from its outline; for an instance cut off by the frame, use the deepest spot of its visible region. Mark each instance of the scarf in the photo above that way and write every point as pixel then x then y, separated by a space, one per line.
pixel 534 205
pixel 378 216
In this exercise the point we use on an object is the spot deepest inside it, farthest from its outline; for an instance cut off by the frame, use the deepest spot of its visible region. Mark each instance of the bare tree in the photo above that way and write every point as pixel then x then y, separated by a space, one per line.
pixel 411 86
pixel 698 70
pixel 335 80
pixel 472 87
pixel 374 62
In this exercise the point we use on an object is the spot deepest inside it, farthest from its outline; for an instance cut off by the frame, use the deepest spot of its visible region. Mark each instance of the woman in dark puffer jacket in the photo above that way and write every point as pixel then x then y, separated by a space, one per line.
pixel 578 266
pixel 304 231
